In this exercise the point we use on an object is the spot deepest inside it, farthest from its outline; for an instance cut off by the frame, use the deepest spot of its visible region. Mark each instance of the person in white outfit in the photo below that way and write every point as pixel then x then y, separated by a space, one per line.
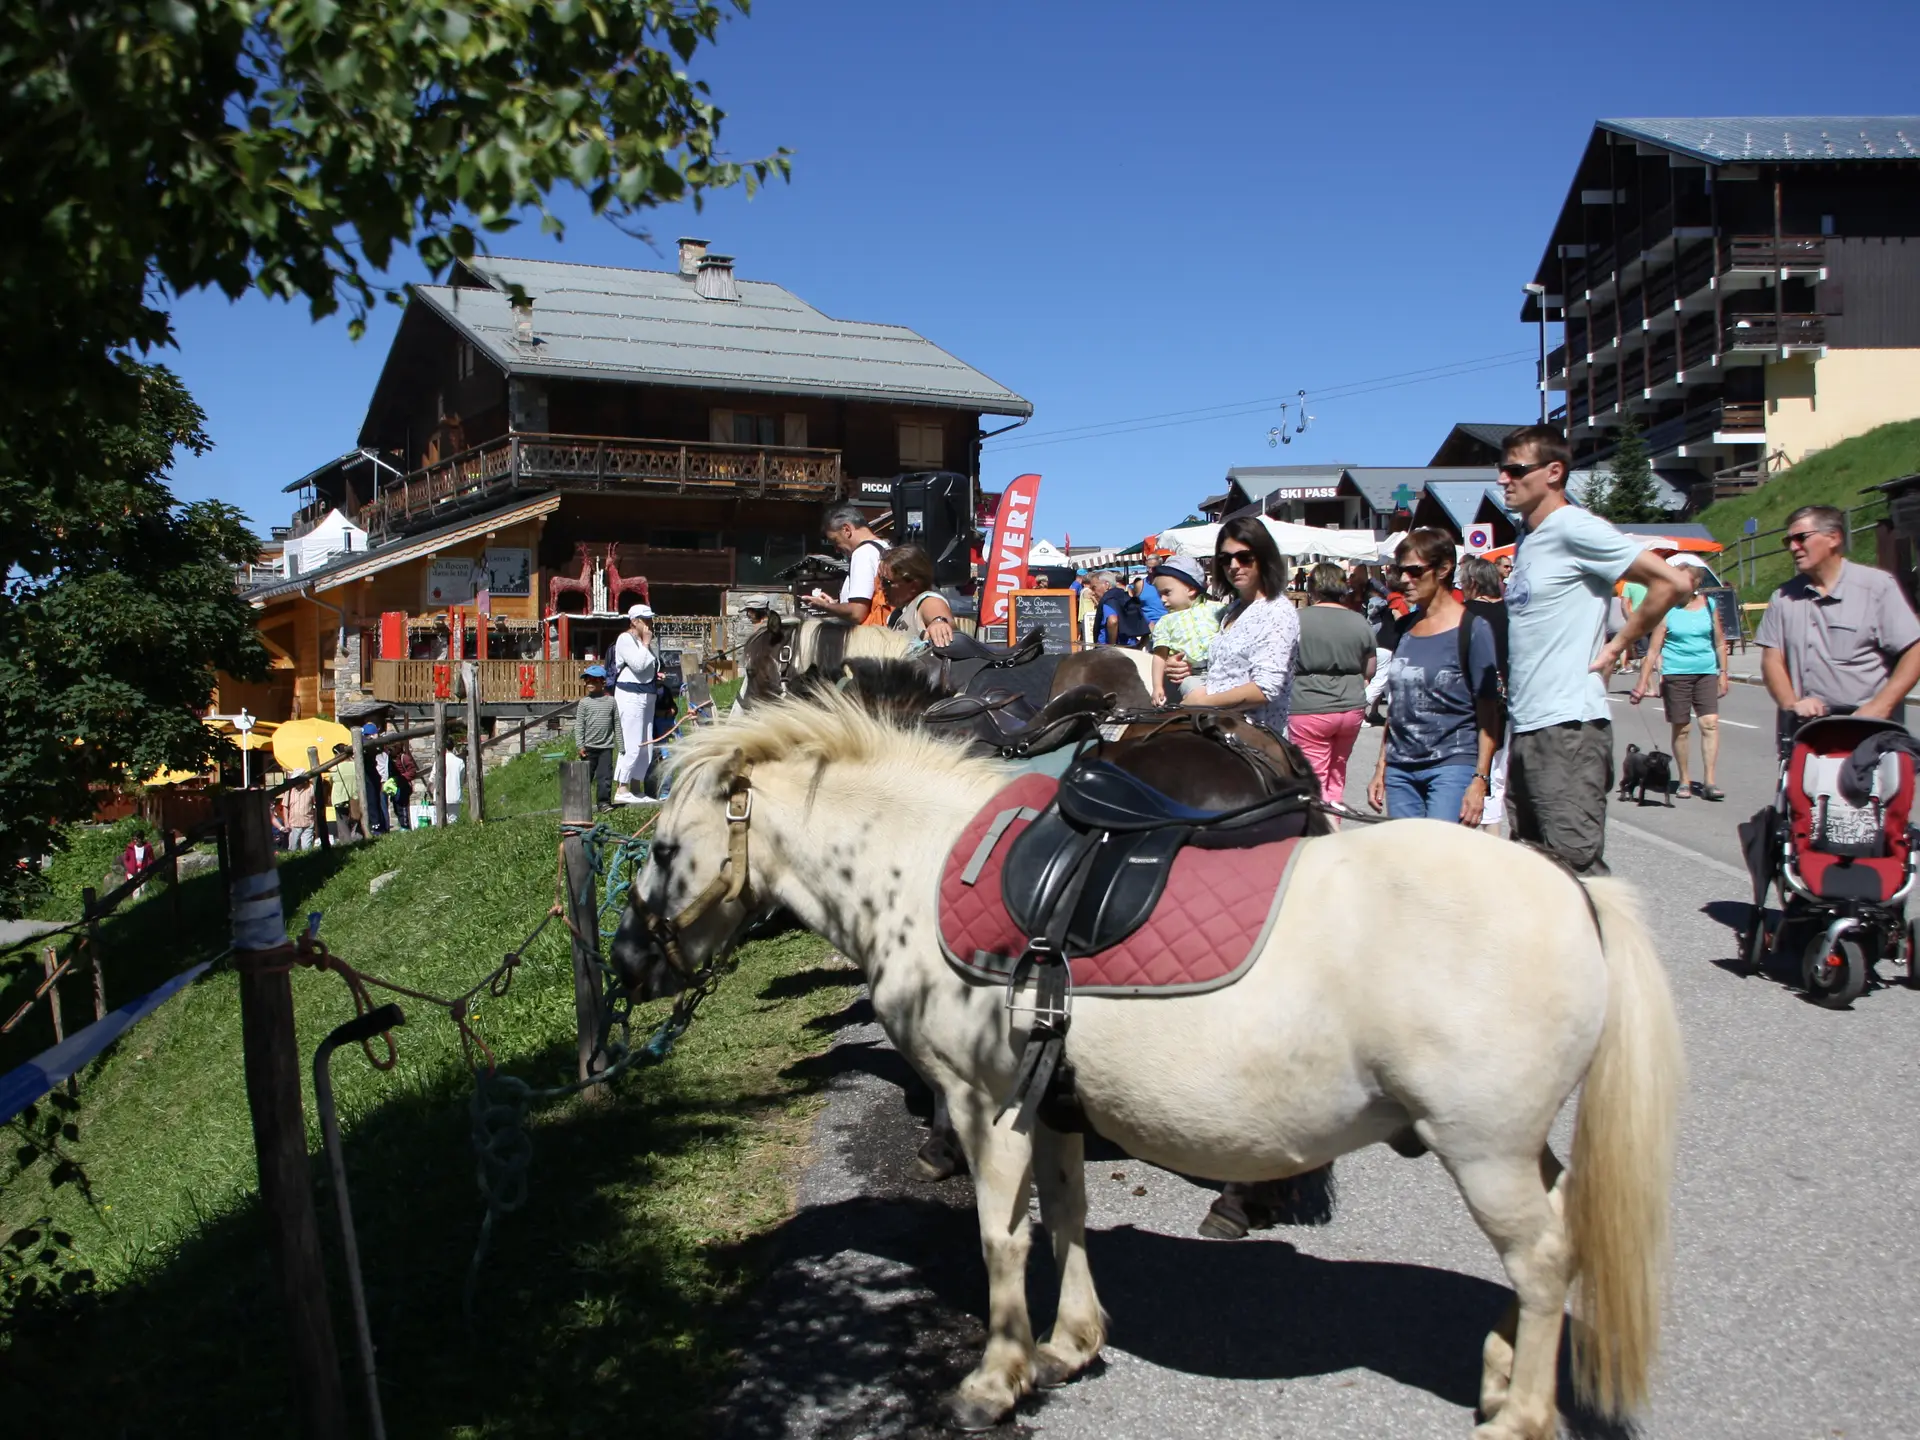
pixel 632 668
pixel 453 783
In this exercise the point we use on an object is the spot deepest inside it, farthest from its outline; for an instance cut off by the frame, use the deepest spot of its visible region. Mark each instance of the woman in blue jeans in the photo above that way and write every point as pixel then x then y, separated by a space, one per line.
pixel 1443 725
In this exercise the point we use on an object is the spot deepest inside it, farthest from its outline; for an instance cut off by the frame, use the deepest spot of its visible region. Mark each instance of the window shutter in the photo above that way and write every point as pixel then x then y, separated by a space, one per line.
pixel 720 426
pixel 794 431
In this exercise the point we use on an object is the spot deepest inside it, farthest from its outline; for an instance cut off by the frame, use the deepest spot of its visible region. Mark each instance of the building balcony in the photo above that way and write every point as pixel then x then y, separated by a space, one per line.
pixel 1729 263
pixel 1716 428
pixel 658 467
pixel 1754 335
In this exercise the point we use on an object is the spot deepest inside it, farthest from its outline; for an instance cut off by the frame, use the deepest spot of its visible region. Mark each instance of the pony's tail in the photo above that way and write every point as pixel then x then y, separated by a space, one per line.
pixel 1622 1164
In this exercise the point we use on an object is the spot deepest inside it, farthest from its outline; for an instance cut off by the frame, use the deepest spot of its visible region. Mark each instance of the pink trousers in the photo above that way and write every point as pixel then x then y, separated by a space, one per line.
pixel 1327 742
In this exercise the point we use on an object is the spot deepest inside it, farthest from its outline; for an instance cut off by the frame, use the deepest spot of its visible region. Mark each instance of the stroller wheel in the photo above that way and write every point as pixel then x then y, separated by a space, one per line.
pixel 1834 976
pixel 1758 943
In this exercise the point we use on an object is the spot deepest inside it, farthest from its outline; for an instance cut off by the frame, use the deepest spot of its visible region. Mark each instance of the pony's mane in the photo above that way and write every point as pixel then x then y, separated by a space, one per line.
pixel 825 727
pixel 877 642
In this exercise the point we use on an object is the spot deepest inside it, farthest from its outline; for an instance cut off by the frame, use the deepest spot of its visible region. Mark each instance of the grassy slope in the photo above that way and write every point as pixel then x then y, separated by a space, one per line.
pixel 1833 477
pixel 604 1298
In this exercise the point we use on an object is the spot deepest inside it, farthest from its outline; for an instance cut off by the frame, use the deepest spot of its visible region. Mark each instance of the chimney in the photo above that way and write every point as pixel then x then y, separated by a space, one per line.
pixel 715 280
pixel 691 253
pixel 523 325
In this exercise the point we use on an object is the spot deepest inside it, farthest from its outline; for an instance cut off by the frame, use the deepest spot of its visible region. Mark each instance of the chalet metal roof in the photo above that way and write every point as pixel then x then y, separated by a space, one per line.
pixel 1257 482
pixel 361 563
pixel 1728 139
pixel 1378 484
pixel 598 322
pixel 1461 499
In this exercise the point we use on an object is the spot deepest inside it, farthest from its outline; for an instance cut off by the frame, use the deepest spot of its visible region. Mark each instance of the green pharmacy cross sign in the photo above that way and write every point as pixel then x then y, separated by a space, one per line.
pixel 1403 497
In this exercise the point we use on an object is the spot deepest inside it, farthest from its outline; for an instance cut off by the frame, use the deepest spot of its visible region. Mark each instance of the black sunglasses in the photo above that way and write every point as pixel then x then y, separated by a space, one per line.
pixel 1797 537
pixel 1237 557
pixel 1519 469
pixel 1413 572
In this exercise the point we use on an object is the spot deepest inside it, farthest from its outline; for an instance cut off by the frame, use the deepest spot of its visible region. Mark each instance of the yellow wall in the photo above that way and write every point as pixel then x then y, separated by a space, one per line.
pixel 1813 404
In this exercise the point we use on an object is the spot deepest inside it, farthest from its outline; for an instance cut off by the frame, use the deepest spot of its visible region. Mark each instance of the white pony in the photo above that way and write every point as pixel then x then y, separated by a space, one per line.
pixel 1376 1012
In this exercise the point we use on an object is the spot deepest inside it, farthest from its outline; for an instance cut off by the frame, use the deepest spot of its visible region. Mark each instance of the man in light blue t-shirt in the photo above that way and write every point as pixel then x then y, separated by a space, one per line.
pixel 1560 767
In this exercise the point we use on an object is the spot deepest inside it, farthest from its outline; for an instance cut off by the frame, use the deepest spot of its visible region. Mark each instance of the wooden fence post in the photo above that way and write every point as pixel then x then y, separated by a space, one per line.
pixel 322 795
pixel 439 764
pixel 583 913
pixel 279 1123
pixel 476 751
pixel 360 785
pixel 172 858
pixel 50 962
pixel 88 900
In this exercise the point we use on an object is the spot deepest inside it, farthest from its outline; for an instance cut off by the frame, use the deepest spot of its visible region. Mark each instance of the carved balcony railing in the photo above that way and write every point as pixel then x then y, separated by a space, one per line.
pixel 670 467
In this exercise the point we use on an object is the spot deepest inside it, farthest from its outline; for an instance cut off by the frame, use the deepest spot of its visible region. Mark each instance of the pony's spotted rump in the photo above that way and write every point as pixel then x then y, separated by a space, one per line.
pixel 1210 924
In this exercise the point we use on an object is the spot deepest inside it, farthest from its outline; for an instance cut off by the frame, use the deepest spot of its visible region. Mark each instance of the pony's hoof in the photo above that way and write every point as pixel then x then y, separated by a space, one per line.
pixel 1225 1221
pixel 1051 1370
pixel 964 1412
pixel 939 1158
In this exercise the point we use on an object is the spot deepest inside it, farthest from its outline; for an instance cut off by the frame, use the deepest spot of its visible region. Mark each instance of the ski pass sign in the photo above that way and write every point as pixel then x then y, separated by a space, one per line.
pixel 1012 531
pixel 1479 538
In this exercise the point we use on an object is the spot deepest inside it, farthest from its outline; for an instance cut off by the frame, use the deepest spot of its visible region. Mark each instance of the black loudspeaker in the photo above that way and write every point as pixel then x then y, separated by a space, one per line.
pixel 935 512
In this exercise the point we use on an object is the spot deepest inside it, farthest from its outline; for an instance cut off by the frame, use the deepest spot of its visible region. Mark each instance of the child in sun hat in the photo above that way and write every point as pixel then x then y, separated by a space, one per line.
pixel 1190 626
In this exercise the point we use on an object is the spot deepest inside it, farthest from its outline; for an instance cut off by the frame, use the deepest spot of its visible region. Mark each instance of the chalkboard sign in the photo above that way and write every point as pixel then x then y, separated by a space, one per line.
pixel 1049 611
pixel 671 668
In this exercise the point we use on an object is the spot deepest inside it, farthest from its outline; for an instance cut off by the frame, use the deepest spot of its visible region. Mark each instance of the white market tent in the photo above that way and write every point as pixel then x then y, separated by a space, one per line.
pixel 1294 541
pixel 1045 553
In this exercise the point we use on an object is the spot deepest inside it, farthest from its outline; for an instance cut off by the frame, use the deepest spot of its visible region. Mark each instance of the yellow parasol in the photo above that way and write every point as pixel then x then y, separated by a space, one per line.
pixel 291 741
pixel 258 738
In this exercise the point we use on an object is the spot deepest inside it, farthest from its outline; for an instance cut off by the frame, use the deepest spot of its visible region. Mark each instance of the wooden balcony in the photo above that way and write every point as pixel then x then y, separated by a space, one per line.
pixel 502 682
pixel 659 467
pixel 1762 331
pixel 1763 252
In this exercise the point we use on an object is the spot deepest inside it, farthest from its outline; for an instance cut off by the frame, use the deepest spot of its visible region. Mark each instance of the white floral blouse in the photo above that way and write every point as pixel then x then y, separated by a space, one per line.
pixel 1258 648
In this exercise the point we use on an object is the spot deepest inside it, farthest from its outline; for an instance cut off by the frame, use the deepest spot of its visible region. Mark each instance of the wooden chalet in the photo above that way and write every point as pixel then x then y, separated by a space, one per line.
pixel 550 442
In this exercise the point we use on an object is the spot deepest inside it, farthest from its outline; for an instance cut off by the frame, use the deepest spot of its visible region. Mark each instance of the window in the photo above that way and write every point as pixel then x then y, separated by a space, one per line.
pixel 464 361
pixel 742 427
pixel 922 446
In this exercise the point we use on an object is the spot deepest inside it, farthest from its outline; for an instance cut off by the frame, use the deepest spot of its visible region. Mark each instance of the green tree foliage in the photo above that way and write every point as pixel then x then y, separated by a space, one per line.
pixel 1628 496
pixel 104 660
pixel 298 148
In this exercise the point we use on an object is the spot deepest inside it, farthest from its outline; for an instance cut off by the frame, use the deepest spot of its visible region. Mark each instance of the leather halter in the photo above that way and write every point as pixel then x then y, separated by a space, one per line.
pixel 731 883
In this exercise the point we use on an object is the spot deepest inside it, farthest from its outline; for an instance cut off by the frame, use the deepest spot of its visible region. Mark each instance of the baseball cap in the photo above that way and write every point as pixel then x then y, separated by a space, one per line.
pixel 369 728
pixel 752 602
pixel 639 612
pixel 595 672
pixel 1181 567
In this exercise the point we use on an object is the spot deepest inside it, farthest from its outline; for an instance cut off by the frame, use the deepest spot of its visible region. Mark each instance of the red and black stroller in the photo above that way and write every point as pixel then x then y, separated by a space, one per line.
pixel 1839 844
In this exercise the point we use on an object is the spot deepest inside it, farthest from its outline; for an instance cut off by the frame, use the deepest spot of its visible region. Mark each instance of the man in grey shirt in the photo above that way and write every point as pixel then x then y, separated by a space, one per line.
pixel 1837 636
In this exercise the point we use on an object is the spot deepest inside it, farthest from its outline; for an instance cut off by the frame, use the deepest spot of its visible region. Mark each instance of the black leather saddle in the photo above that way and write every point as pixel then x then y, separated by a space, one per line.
pixel 1090 870
pixel 1082 878
pixel 1009 724
pixel 968 647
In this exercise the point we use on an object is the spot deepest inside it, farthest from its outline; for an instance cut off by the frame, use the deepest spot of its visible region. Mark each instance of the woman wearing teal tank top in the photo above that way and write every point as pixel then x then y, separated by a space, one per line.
pixel 1690 651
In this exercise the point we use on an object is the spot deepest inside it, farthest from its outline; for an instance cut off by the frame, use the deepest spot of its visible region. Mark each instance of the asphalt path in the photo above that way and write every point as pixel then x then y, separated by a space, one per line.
pixel 1796 1299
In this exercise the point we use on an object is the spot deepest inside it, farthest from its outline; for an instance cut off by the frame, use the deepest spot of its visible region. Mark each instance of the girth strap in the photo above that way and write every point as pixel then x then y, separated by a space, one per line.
pixel 1052 1010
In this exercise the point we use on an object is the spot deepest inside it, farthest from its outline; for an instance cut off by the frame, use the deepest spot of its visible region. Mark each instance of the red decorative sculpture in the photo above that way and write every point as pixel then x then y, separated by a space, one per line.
pixel 618 584
pixel 559 585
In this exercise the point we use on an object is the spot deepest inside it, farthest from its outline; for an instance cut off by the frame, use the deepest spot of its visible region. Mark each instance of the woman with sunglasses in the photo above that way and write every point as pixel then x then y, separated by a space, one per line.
pixel 1443 725
pixel 906 577
pixel 1250 668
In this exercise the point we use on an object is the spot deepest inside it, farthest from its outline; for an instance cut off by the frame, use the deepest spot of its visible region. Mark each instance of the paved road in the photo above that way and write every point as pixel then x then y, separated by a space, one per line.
pixel 1796 1305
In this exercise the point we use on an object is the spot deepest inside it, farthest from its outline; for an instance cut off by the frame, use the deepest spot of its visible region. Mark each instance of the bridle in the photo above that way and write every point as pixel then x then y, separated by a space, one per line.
pixel 731 883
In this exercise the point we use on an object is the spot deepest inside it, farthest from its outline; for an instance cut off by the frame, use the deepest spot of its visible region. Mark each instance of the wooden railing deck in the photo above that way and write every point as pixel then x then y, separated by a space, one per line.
pixel 655 466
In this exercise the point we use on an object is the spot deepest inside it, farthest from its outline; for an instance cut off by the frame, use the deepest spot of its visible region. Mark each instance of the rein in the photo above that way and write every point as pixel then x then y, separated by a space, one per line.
pixel 731 883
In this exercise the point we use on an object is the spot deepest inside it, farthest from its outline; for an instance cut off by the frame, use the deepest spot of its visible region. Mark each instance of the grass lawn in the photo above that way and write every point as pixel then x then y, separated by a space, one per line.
pixel 1832 477
pixel 605 1301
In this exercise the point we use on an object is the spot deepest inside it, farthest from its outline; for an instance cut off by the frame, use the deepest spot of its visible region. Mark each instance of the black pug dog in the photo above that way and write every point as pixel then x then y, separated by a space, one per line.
pixel 1644 770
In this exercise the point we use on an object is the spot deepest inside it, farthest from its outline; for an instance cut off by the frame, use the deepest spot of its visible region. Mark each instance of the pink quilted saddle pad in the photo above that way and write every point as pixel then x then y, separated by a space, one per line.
pixel 1209 927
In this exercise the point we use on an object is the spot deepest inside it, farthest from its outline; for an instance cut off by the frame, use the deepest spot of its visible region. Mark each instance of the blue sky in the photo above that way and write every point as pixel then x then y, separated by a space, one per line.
pixel 1124 210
